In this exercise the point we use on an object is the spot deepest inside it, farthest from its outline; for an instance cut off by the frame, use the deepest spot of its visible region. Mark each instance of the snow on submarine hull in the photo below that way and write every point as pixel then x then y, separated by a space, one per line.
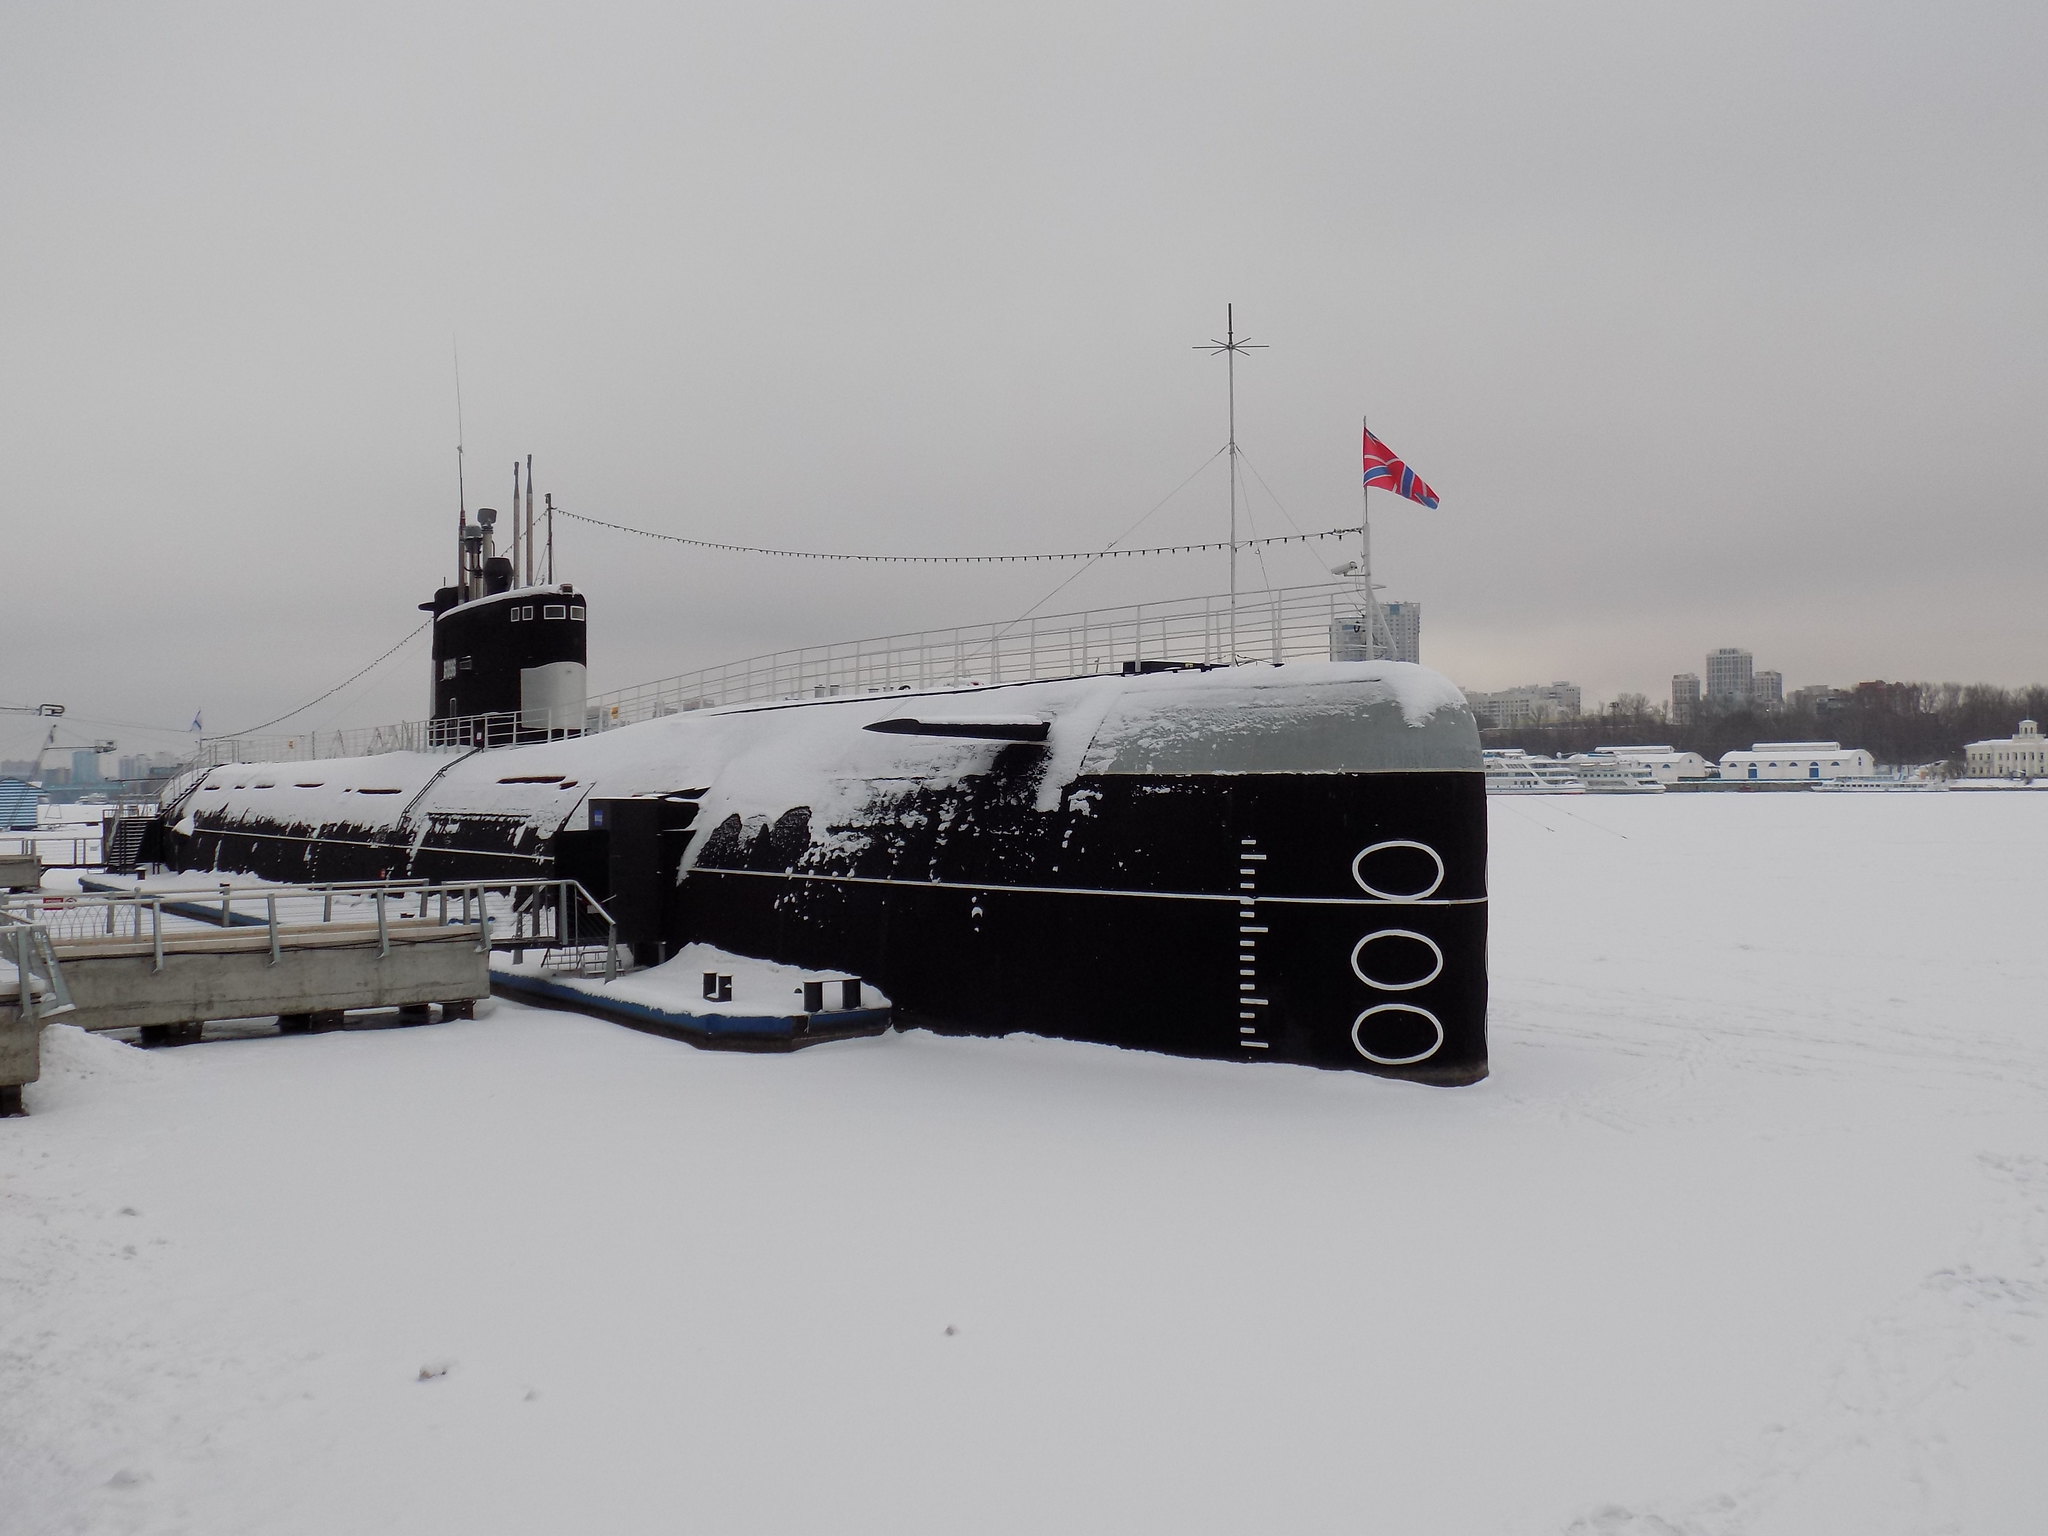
pixel 1272 863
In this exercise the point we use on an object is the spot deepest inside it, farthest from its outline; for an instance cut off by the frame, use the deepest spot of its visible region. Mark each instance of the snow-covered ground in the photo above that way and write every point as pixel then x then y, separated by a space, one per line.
pixel 1748 1233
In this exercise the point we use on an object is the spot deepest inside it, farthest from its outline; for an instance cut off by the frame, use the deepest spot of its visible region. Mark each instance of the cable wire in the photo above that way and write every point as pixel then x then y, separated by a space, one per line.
pixel 1090 555
pixel 330 693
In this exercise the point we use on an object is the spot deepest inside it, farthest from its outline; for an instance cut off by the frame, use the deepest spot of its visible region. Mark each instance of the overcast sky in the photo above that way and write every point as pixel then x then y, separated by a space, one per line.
pixel 1713 324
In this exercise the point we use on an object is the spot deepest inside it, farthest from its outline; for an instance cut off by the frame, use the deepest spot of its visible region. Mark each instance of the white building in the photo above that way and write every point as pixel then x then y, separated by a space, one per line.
pixel 1348 639
pixel 1685 698
pixel 1666 765
pixel 1531 704
pixel 1817 697
pixel 2021 756
pixel 1731 676
pixel 1780 760
pixel 1404 623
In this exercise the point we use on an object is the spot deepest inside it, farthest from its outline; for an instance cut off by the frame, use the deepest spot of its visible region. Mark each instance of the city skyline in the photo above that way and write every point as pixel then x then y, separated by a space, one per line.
pixel 1768 688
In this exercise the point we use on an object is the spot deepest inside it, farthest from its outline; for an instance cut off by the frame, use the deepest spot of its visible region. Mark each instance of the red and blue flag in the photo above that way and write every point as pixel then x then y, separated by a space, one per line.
pixel 1385 470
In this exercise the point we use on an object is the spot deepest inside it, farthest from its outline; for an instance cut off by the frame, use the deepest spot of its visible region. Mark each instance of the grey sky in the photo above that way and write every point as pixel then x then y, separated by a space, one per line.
pixel 1712 323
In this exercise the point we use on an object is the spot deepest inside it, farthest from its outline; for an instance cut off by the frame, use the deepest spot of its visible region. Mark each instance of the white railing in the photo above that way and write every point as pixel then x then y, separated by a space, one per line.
pixel 76 844
pixel 29 968
pixel 518 914
pixel 1286 624
pixel 1291 623
pixel 407 736
pixel 459 733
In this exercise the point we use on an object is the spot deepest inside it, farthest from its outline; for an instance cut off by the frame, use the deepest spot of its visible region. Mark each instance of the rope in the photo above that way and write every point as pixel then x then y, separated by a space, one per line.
pixel 1078 554
pixel 1078 572
pixel 330 693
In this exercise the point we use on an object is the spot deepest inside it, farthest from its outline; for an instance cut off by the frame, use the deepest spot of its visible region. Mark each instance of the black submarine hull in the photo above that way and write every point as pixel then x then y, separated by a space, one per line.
pixel 1287 867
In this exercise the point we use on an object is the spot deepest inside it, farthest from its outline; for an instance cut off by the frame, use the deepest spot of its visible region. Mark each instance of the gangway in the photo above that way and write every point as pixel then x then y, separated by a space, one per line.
pixel 112 836
pixel 165 961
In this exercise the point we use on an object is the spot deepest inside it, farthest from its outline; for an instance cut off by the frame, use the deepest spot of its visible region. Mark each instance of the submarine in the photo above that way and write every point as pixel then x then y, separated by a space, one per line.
pixel 1267 862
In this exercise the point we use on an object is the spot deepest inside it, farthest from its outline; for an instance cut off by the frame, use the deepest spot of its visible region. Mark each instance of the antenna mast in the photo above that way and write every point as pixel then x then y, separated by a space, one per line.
pixel 1230 346
pixel 461 494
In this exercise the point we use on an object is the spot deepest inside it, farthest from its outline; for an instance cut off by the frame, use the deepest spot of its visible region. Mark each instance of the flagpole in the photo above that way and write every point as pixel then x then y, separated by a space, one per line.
pixel 1380 460
pixel 1372 638
pixel 1375 621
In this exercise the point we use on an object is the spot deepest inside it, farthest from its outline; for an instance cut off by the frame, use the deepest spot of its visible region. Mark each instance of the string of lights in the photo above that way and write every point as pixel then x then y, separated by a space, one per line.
pixel 1024 559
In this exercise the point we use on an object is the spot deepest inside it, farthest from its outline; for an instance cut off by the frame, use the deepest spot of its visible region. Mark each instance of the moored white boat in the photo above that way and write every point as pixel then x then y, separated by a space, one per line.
pixel 1511 771
pixel 1604 774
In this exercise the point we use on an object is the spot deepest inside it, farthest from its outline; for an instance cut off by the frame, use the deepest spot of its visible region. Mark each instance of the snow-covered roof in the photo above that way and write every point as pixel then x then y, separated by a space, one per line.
pixel 2028 735
pixel 1774 751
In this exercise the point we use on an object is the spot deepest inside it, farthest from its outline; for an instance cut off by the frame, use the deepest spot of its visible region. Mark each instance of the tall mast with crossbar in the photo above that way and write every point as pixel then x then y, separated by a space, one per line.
pixel 1230 346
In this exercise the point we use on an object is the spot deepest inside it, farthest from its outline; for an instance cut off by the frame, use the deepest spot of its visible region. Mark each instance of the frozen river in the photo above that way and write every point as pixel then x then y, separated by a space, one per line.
pixel 1748 1233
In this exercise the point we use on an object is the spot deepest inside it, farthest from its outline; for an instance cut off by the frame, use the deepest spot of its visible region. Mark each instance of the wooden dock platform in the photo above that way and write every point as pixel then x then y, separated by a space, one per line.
pixel 164 966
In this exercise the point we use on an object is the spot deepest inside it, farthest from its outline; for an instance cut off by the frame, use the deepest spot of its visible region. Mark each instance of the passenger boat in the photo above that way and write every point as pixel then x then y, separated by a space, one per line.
pixel 1511 771
pixel 1604 774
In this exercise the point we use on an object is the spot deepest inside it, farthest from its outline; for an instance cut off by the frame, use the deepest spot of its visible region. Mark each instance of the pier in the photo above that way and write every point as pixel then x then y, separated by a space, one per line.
pixel 166 962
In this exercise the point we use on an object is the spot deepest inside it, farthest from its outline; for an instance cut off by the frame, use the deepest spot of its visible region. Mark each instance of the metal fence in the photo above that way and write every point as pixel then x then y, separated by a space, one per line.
pixel 1289 623
pixel 461 733
pixel 406 736
pixel 1285 624
pixel 80 843
pixel 29 969
pixel 507 914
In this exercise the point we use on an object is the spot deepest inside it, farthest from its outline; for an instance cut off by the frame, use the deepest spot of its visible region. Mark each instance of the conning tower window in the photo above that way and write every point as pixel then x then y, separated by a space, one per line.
pixel 555 611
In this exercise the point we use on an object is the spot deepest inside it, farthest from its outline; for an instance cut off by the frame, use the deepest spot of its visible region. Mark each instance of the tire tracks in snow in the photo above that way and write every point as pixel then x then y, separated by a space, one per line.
pixel 1871 1428
pixel 1680 1035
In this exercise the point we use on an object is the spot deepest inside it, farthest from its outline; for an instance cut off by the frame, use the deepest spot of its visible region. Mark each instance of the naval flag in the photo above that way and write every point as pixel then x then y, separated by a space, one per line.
pixel 1387 472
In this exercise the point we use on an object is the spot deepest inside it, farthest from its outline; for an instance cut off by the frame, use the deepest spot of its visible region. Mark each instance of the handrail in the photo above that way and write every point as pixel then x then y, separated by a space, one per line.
pixel 1284 624
pixel 30 944
pixel 458 733
pixel 221 891
pixel 541 912
pixel 80 843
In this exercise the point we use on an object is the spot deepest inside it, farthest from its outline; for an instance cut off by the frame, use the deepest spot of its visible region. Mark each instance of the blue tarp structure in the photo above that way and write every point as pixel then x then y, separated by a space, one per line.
pixel 18 800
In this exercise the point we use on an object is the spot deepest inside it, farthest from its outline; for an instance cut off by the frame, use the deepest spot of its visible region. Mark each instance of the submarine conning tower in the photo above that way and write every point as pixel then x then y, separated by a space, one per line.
pixel 510 651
